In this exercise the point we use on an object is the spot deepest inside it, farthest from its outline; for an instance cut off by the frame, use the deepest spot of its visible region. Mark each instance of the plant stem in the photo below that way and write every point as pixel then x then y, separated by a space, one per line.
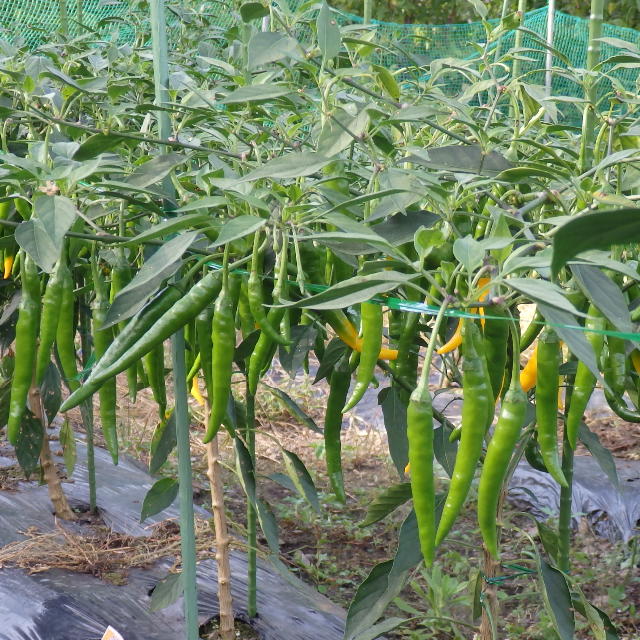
pixel 64 19
pixel 591 88
pixel 252 589
pixel 368 11
pixel 519 37
pixel 79 16
pixel 227 625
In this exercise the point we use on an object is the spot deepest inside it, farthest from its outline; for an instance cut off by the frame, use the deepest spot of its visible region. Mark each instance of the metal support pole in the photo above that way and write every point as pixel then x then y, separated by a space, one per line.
pixel 187 534
pixel 551 15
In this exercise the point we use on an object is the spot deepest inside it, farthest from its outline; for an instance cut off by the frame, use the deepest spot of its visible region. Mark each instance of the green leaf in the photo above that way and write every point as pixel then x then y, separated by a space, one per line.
pixel 444 450
pixel 557 599
pixel 339 131
pixel 462 159
pixel 269 46
pixel 268 524
pixel 599 230
pixel 159 497
pixel 171 226
pixel 501 230
pixel 549 540
pixel 95 145
pixel 289 166
pixel 328 33
pixel 469 253
pixel 256 93
pixel 68 443
pixel 543 292
pixel 605 295
pixel 246 347
pixel 301 478
pixel 160 266
pixel 574 338
pixel 29 442
pixel 51 392
pixel 380 629
pixel 42 236
pixel 166 592
pixel 155 170
pixel 602 455
pixel 387 502
pixel 163 443
pixel 250 11
pixel 480 8
pixel 303 339
pixel 244 468
pixel 395 424
pixel 285 481
pixel 238 228
pixel 474 590
pixel 608 627
pixel 386 81
pixel 333 352
pixel 292 407
pixel 208 202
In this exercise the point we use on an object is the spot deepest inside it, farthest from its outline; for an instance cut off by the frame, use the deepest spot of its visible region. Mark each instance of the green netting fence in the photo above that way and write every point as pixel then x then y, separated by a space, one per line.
pixel 36 20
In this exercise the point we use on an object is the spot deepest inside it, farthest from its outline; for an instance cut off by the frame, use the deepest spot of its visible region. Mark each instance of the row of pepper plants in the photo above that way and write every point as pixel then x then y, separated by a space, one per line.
pixel 311 201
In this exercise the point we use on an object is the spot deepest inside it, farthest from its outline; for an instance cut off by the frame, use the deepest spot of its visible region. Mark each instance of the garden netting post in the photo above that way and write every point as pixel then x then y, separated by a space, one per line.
pixel 187 533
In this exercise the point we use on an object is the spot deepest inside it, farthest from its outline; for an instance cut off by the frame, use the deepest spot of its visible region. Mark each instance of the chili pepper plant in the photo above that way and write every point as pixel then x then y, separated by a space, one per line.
pixel 316 205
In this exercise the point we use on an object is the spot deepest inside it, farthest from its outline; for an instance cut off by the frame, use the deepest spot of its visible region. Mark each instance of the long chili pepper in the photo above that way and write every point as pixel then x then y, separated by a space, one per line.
pixel 65 335
pixel 372 322
pixel 191 351
pixel 585 380
pixel 532 331
pixel 477 395
pixel 547 402
pixel 155 324
pixel 495 338
pixel 223 343
pixel 26 344
pixel 120 278
pixel 101 342
pixel 617 362
pixel 247 323
pixel 408 332
pixel 7 263
pixel 204 331
pixel 454 342
pixel 50 316
pixel 618 405
pixel 510 422
pixel 154 362
pixel 420 437
pixel 260 356
pixel 338 391
pixel 478 344
pixel 256 299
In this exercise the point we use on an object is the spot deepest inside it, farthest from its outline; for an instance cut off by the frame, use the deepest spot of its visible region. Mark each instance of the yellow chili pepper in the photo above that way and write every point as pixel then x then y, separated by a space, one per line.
pixel 635 359
pixel 560 405
pixel 8 265
pixel 195 391
pixel 529 375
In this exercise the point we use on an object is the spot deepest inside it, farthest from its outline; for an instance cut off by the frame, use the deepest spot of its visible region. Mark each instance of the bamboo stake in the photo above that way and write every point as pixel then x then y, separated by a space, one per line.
pixel 227 622
pixel 368 11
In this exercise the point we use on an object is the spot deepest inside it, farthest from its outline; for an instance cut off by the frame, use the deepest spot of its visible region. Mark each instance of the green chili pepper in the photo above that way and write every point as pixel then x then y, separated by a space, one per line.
pixel 532 331
pixel 547 402
pixel 407 362
pixel 478 344
pixel 617 362
pixel 50 316
pixel 204 332
pixel 617 404
pixel 26 346
pixel 477 395
pixel 499 451
pixel 120 278
pixel 533 455
pixel 420 437
pixel 260 356
pixel 338 390
pixel 371 315
pixel 154 362
pixel 585 380
pixel 256 301
pixel 66 332
pixel 154 324
pixel 101 342
pixel 495 339
pixel 223 344
pixel 247 323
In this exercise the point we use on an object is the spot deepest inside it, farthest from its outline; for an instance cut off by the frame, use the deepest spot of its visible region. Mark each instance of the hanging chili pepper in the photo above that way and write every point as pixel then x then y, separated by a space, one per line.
pixel 50 316
pixel 8 263
pixel 420 437
pixel 532 331
pixel 618 405
pixel 529 375
pixel 478 344
pixel 372 321
pixel 154 362
pixel 477 395
pixel 585 380
pixel 338 391
pixel 495 338
pixel 204 332
pixel 223 345
pixel 547 402
pixel 533 455
pixel 66 332
pixel 26 345
pixel 101 342
pixel 617 362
